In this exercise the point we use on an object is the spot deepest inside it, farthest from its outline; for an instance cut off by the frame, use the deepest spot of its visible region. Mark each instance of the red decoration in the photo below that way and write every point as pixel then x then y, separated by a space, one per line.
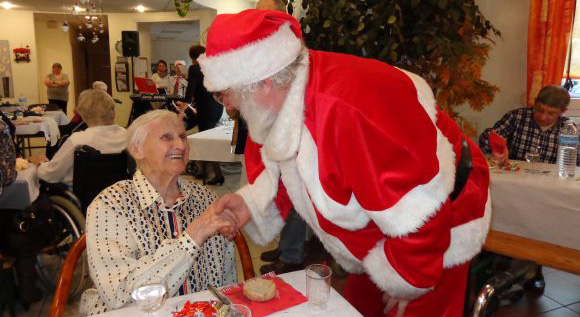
pixel 22 54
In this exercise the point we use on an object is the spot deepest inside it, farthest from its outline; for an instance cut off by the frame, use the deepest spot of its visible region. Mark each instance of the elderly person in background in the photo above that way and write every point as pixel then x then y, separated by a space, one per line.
pixel 97 109
pixel 178 82
pixel 100 85
pixel 154 225
pixel 57 84
pixel 536 127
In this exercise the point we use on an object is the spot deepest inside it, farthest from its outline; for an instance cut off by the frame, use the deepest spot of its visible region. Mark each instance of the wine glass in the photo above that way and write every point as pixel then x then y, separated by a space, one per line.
pixel 533 156
pixel 149 293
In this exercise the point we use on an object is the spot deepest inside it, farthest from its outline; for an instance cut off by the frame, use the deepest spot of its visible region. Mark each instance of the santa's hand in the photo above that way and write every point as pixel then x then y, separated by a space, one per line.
pixel 392 302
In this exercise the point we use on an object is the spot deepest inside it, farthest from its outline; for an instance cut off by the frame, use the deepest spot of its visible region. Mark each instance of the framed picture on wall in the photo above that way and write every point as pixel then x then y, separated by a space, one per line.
pixel 122 76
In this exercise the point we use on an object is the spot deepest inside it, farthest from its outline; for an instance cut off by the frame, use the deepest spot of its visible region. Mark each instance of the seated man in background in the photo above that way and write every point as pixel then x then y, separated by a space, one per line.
pixel 532 127
pixel 97 109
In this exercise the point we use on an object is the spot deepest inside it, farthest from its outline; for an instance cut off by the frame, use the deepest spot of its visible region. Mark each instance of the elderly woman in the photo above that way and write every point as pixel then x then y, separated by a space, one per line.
pixel 97 109
pixel 154 225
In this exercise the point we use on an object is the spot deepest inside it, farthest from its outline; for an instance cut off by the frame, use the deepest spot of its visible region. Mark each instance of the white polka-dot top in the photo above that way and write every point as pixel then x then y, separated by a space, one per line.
pixel 132 236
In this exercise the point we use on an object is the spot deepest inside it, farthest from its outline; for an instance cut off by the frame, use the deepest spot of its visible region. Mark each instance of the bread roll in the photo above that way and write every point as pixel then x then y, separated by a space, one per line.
pixel 260 289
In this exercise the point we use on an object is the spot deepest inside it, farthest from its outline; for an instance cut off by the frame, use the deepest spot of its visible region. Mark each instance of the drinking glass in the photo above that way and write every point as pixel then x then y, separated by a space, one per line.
pixel 149 293
pixel 533 156
pixel 318 285
pixel 237 310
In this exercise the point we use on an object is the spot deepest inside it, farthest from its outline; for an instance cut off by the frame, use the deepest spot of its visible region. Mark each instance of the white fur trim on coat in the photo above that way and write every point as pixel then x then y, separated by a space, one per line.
pixel 467 239
pixel 350 216
pixel 414 209
pixel 266 221
pixel 297 192
pixel 386 278
pixel 251 63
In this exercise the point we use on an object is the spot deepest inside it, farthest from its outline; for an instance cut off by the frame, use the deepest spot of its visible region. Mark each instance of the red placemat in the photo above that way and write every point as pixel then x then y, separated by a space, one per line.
pixel 287 297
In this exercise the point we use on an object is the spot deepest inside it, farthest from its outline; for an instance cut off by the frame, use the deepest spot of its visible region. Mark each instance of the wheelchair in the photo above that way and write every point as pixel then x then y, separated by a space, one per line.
pixel 92 173
pixel 41 235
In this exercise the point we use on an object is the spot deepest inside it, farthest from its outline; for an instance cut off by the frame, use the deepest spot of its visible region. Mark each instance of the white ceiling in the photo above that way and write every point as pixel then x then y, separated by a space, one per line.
pixel 108 6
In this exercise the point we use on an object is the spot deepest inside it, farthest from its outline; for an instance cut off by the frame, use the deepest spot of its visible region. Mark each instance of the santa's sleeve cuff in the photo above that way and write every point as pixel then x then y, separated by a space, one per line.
pixel 386 277
pixel 266 221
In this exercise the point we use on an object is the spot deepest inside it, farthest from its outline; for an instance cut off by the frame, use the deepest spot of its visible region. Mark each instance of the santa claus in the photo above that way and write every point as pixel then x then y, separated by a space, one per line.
pixel 385 179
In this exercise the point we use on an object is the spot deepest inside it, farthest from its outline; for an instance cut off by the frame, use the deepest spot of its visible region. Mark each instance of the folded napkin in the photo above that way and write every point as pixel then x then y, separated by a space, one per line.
pixel 497 142
pixel 287 297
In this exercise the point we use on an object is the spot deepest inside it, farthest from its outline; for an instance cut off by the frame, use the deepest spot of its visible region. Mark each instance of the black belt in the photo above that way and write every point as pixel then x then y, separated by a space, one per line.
pixel 463 170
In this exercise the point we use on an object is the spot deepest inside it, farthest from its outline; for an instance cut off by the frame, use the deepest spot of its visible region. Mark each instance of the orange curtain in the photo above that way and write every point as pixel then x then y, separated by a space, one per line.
pixel 548 33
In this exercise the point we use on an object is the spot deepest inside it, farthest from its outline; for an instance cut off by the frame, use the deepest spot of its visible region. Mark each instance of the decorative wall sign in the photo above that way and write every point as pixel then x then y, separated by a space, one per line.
pixel 22 54
pixel 6 84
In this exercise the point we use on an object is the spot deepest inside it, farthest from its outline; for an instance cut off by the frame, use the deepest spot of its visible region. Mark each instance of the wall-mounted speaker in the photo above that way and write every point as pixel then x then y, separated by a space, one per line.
pixel 130 40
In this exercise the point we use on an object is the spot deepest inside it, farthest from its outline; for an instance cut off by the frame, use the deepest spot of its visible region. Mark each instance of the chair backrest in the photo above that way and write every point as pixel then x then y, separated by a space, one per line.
pixel 66 277
pixel 94 172
pixel 60 298
pixel 245 256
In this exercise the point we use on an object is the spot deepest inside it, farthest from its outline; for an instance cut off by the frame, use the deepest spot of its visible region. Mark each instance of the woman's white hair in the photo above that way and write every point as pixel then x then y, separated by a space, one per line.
pixel 96 107
pixel 139 129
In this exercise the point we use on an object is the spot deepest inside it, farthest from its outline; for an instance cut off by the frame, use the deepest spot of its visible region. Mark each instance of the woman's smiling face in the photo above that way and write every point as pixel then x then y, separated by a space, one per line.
pixel 166 149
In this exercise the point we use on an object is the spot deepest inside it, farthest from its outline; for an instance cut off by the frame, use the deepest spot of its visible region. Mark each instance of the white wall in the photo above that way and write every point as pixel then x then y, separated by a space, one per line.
pixel 53 47
pixel 507 64
pixel 18 28
pixel 128 22
pixel 228 6
pixel 170 51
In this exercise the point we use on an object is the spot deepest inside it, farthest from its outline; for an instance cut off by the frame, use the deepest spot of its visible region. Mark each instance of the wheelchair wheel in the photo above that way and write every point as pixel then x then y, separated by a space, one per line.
pixel 68 225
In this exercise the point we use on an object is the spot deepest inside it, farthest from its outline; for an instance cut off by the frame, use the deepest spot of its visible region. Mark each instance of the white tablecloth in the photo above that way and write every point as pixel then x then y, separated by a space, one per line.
pixel 537 206
pixel 213 145
pixel 23 191
pixel 48 126
pixel 58 116
pixel 337 306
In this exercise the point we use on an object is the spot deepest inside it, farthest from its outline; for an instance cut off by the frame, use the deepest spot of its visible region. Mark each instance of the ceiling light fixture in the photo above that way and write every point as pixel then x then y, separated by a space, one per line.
pixel 140 8
pixel 7 5
pixel 89 20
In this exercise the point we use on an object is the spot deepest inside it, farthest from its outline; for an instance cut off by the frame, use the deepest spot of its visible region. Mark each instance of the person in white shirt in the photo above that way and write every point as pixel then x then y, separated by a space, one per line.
pixel 97 109
pixel 179 81
pixel 156 225
pixel 161 78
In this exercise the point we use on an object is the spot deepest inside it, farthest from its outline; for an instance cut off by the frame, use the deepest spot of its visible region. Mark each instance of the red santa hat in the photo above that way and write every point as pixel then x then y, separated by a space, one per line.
pixel 247 47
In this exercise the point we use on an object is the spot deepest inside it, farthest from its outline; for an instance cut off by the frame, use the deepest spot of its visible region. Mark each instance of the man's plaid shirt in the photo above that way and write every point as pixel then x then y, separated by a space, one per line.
pixel 522 132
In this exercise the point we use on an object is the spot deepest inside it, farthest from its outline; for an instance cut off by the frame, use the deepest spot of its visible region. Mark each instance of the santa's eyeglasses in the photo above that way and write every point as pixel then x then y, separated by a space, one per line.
pixel 220 95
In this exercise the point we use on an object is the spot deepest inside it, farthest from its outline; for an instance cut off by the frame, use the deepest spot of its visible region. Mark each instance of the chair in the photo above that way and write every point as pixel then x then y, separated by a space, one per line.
pixel 65 279
pixel 94 172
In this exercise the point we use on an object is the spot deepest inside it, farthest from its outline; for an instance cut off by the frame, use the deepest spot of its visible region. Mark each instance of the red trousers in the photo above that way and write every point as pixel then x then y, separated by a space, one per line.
pixel 445 300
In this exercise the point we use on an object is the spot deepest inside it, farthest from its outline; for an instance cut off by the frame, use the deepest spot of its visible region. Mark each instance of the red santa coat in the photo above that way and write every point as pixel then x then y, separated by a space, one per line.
pixel 365 157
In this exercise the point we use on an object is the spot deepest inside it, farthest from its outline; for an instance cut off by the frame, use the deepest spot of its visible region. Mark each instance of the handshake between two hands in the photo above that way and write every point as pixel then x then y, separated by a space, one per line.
pixel 224 216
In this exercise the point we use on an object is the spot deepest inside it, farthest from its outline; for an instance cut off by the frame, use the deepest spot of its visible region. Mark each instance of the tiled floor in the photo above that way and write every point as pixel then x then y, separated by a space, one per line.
pixel 560 299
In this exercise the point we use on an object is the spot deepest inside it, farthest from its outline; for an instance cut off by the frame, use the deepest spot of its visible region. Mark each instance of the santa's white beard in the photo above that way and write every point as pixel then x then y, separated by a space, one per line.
pixel 259 118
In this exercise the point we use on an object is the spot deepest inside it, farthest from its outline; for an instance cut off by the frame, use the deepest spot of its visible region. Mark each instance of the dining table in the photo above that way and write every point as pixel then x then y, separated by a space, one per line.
pixel 215 145
pixel 337 306
pixel 536 215
pixel 47 124
pixel 23 191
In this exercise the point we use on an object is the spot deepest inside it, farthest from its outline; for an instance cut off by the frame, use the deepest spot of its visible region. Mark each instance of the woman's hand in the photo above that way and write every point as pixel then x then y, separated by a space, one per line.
pixel 37 159
pixel 210 222
pixel 234 204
